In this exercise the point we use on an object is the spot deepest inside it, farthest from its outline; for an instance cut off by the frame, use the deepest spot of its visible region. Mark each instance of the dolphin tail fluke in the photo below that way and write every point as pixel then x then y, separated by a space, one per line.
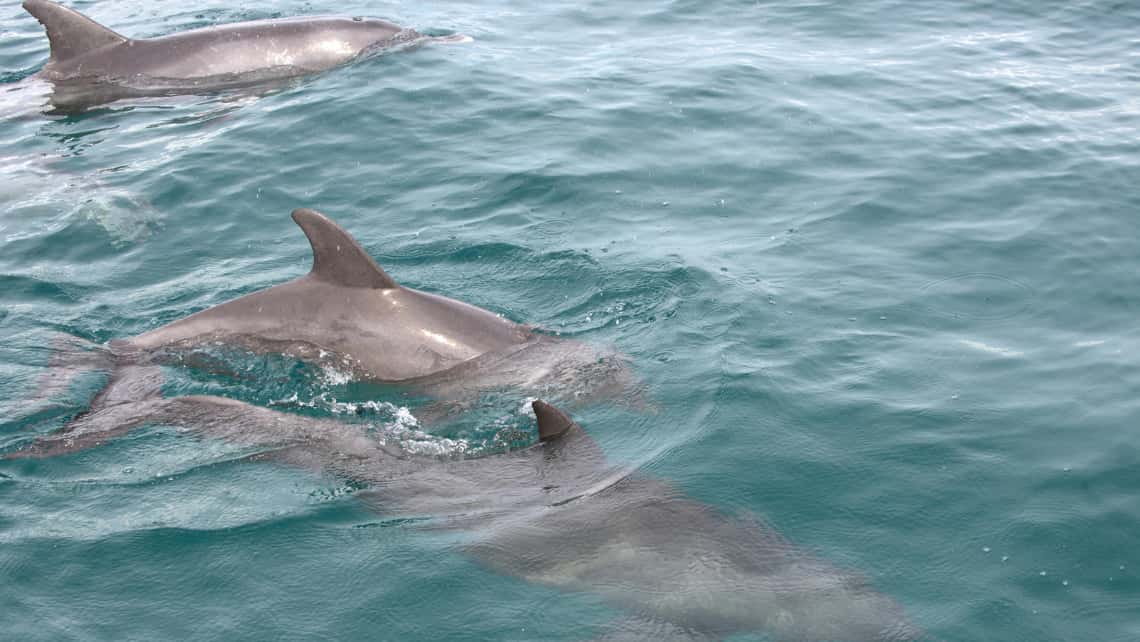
pixel 69 32
pixel 129 396
pixel 71 360
pixel 71 357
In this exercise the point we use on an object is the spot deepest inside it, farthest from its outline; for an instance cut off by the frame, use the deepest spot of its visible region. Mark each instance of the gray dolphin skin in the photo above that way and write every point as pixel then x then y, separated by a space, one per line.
pixel 348 314
pixel 346 308
pixel 93 64
pixel 559 515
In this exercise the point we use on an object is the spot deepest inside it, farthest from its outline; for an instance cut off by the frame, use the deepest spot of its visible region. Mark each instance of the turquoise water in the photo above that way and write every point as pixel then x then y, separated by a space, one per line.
pixel 877 263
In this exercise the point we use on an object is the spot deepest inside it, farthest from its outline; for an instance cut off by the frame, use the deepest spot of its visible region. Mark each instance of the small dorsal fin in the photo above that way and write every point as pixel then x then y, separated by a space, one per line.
pixel 337 257
pixel 69 32
pixel 552 422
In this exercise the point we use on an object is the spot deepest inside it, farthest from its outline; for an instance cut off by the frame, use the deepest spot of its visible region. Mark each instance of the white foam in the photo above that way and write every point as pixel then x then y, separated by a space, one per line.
pixel 985 347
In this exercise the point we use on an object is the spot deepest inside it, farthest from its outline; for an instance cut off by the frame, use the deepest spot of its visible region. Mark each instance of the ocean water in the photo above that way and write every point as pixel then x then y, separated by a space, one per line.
pixel 877 263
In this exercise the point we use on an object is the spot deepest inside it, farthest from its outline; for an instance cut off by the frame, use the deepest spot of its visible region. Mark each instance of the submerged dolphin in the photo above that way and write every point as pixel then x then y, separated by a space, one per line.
pixel 93 64
pixel 558 514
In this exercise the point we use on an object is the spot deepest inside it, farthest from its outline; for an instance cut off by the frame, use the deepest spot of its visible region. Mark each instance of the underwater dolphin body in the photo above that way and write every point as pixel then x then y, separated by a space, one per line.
pixel 91 64
pixel 558 514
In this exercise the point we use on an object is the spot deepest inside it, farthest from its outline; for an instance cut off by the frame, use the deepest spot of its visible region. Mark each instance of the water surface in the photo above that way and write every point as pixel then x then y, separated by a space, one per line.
pixel 877 262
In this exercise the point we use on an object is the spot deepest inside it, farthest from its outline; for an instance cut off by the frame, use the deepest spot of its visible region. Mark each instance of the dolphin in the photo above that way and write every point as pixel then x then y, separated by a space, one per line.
pixel 559 515
pixel 346 308
pixel 91 64
pixel 348 314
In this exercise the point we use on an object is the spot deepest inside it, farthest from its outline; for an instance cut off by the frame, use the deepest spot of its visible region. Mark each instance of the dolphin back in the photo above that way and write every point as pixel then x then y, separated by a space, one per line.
pixel 70 33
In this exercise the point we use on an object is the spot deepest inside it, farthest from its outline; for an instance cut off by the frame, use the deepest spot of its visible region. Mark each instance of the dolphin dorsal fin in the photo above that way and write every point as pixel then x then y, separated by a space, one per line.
pixel 337 257
pixel 69 32
pixel 552 422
